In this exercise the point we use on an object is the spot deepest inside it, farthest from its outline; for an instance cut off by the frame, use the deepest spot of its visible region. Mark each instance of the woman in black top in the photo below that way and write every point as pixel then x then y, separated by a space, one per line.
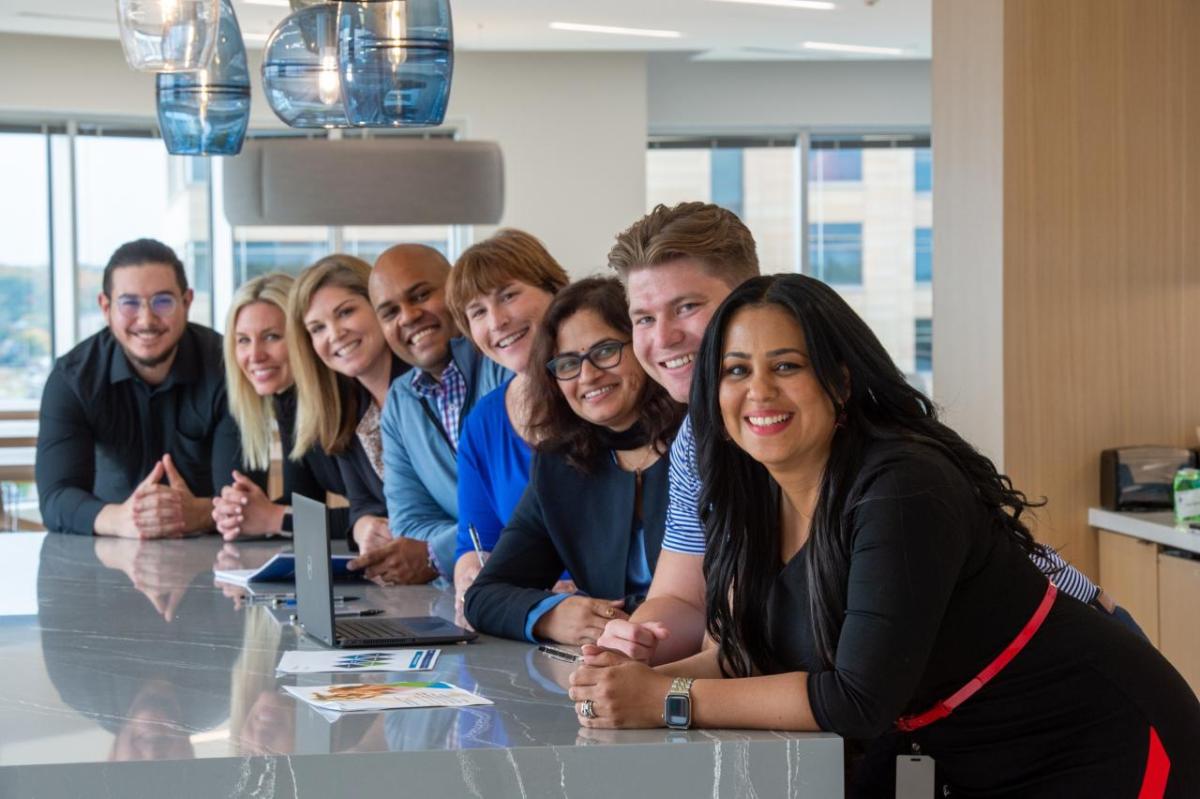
pixel 261 391
pixel 865 563
pixel 597 496
pixel 343 371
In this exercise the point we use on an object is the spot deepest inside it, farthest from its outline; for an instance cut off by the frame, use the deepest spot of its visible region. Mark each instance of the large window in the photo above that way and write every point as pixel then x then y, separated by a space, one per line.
pixel 127 187
pixel 754 178
pixel 862 221
pixel 78 191
pixel 25 333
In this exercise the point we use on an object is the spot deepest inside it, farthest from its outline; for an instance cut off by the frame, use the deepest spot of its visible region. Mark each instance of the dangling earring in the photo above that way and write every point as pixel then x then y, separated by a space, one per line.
pixel 841 417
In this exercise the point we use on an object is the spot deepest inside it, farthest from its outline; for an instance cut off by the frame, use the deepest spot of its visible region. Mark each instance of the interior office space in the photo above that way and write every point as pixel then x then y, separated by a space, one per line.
pixel 1007 196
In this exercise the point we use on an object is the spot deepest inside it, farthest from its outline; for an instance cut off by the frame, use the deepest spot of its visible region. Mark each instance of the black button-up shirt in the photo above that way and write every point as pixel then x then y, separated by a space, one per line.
pixel 103 428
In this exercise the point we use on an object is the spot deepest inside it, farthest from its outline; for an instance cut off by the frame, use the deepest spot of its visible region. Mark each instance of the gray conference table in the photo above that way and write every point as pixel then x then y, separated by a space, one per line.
pixel 127 673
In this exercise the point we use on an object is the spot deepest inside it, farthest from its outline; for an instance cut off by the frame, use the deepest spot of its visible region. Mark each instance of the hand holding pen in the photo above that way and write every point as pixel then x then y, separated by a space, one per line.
pixel 465 572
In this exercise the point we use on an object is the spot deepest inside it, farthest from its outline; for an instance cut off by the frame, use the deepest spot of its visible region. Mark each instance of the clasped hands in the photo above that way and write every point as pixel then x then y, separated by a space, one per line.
pixel 616 684
pixel 155 510
pixel 244 509
pixel 388 560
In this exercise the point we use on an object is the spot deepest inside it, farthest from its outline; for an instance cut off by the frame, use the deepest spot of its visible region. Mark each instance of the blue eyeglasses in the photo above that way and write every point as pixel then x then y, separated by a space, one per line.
pixel 161 305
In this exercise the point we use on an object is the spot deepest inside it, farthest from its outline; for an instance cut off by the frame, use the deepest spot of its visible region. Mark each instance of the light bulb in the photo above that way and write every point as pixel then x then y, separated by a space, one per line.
pixel 329 87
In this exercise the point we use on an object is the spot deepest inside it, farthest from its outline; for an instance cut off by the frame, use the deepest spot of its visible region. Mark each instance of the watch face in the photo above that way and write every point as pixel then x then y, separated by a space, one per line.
pixel 678 711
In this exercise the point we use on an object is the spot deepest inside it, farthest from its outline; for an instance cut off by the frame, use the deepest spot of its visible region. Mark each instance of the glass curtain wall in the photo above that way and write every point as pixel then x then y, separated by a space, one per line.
pixel 857 216
pixel 26 344
pixel 84 189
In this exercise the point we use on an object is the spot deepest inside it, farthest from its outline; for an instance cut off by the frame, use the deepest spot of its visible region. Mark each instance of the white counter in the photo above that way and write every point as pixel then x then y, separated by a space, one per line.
pixel 1158 526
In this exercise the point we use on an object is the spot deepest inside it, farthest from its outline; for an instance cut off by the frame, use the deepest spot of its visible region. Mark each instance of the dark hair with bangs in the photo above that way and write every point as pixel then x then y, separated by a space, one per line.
pixel 509 255
pixel 555 427
pixel 741 499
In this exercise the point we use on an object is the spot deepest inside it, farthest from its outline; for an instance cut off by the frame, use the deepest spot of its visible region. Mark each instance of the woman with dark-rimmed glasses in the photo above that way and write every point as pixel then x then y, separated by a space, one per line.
pixel 597 492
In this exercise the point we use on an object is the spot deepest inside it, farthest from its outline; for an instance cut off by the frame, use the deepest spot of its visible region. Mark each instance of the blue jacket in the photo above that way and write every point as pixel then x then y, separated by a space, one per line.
pixel 420 470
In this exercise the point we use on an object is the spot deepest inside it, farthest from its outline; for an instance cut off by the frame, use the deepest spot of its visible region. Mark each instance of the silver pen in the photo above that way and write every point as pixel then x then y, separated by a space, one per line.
pixel 479 553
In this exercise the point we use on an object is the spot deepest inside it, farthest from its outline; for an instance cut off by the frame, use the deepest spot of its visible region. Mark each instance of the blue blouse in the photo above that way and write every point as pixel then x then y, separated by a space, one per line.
pixel 493 470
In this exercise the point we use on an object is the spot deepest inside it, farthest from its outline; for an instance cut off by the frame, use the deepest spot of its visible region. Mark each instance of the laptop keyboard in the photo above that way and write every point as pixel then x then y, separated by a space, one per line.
pixel 368 628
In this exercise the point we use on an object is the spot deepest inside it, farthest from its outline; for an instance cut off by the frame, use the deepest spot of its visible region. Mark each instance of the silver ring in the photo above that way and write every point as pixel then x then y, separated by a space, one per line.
pixel 588 710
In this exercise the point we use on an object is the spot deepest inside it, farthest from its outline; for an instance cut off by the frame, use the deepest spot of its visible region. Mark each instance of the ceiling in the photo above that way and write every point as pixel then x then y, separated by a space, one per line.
pixel 713 29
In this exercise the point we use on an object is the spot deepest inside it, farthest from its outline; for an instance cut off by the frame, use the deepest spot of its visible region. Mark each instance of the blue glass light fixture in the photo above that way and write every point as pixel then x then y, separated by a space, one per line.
pixel 396 59
pixel 300 69
pixel 168 35
pixel 207 112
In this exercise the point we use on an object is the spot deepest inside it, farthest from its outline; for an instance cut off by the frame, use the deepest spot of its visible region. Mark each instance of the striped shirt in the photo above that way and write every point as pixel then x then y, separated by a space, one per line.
pixel 685 534
pixel 448 395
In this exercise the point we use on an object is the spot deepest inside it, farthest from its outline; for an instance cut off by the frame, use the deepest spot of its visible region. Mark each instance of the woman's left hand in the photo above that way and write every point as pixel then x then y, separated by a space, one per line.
pixel 624 693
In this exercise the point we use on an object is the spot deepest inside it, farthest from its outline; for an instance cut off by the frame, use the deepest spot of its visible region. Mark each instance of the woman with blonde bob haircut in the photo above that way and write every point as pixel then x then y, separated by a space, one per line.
pixel 343 369
pixel 258 376
pixel 498 292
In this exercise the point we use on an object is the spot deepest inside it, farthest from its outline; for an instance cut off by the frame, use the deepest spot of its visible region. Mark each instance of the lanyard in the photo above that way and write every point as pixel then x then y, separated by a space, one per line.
pixel 945 707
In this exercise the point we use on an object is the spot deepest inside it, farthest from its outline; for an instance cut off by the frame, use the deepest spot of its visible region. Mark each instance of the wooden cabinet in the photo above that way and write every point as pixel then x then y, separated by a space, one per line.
pixel 1179 615
pixel 1129 573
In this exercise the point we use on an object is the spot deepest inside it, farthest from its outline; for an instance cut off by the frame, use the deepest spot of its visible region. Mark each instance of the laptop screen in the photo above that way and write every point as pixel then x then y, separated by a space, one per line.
pixel 314 592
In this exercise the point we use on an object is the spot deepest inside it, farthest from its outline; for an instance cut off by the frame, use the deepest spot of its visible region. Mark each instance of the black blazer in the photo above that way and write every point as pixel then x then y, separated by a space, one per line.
pixel 567 519
pixel 313 475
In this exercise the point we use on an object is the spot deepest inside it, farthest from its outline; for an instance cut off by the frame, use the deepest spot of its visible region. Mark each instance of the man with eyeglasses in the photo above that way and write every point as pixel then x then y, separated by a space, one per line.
pixel 135 435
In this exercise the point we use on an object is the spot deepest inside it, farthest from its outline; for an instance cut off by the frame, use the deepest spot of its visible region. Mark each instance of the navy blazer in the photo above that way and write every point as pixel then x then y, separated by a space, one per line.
pixel 583 523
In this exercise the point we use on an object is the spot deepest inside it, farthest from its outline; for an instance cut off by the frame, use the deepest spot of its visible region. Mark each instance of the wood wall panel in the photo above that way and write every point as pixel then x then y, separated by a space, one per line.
pixel 1101 245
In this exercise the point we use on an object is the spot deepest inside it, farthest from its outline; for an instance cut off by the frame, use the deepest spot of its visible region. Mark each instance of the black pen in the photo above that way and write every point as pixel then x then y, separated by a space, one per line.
pixel 365 612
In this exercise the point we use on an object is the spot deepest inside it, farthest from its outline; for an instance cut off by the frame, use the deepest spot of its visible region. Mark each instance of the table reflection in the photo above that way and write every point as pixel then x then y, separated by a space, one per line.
pixel 135 639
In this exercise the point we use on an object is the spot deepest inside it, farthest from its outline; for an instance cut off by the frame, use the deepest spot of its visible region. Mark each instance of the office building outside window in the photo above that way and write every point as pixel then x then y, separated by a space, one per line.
pixel 867 202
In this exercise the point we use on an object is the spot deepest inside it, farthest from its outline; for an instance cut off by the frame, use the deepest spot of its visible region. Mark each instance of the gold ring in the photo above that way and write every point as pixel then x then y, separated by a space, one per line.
pixel 588 709
pixel 610 612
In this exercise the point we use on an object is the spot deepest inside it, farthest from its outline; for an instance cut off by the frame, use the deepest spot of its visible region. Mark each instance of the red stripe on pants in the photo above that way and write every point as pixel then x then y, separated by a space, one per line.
pixel 1158 766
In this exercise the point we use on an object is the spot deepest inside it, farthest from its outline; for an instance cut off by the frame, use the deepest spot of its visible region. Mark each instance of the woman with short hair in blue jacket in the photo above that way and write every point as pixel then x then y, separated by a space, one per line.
pixel 498 291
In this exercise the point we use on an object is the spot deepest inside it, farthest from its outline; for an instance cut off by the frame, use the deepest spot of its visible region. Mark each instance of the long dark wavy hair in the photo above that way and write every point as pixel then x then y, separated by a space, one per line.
pixel 554 426
pixel 741 500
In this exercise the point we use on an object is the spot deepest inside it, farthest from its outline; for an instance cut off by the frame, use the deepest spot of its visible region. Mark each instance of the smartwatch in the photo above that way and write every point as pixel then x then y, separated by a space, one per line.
pixel 677 707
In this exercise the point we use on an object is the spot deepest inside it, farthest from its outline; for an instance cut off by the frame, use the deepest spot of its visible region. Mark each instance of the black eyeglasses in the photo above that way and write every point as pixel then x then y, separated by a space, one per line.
pixel 604 355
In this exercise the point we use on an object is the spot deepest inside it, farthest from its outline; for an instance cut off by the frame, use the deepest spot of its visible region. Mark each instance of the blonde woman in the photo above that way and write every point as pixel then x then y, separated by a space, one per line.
pixel 258 378
pixel 498 292
pixel 343 368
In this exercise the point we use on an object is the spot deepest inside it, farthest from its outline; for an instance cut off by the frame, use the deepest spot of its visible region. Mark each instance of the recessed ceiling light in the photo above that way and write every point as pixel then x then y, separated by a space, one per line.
pixel 575 26
pixel 277 3
pixel 811 5
pixel 852 48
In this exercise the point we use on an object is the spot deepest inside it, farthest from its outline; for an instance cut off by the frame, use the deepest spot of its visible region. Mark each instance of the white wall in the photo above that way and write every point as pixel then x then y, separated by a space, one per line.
pixel 716 97
pixel 572 126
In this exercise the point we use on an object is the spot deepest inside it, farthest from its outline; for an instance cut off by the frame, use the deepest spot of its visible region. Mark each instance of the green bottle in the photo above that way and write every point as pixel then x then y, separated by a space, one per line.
pixel 1187 496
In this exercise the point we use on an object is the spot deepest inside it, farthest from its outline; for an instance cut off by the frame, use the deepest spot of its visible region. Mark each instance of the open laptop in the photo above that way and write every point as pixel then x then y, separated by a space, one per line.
pixel 314 595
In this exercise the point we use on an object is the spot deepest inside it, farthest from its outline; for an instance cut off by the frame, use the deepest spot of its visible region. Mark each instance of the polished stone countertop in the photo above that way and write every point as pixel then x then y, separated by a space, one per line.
pixel 128 673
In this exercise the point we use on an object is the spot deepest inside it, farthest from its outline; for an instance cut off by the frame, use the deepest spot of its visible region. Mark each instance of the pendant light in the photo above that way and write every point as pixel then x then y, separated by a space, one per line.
pixel 300 69
pixel 207 112
pixel 396 59
pixel 168 35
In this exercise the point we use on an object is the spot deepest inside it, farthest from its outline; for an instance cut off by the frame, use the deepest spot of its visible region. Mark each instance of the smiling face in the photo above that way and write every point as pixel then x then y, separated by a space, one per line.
pixel 503 322
pixel 143 320
pixel 344 332
pixel 607 397
pixel 772 404
pixel 670 305
pixel 408 291
pixel 261 348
